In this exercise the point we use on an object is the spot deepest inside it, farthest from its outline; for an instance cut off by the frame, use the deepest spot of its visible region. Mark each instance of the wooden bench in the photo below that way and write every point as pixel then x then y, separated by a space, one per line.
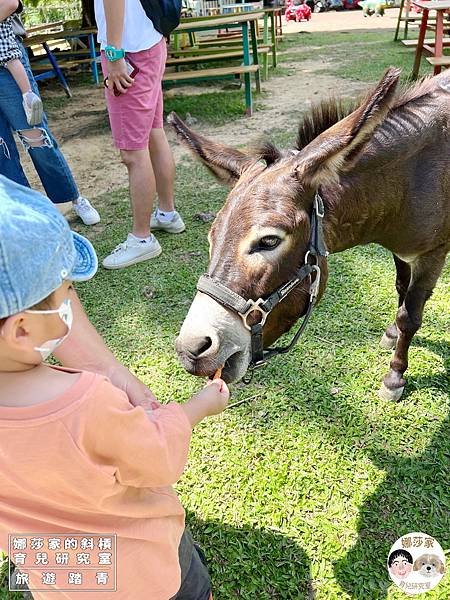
pixel 219 55
pixel 427 42
pixel 63 64
pixel 225 41
pixel 440 61
pixel 219 73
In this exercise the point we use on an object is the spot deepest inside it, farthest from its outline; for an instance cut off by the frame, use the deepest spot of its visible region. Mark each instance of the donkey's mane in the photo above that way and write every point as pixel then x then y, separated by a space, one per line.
pixel 267 152
pixel 328 112
pixel 323 115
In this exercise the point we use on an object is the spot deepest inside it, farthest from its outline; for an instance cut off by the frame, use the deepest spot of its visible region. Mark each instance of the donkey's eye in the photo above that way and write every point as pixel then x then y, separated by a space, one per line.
pixel 268 242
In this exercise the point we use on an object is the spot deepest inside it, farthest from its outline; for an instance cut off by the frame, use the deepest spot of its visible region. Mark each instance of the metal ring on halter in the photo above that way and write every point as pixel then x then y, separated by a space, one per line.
pixel 255 306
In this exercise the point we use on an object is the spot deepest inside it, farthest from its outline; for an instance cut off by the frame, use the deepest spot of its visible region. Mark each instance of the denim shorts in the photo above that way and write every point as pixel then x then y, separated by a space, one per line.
pixel 195 581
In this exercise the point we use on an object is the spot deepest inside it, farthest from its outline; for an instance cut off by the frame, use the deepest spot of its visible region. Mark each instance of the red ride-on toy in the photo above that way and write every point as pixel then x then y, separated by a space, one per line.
pixel 297 10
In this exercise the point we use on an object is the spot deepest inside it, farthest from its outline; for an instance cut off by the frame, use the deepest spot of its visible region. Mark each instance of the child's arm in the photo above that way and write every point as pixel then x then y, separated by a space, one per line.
pixel 140 450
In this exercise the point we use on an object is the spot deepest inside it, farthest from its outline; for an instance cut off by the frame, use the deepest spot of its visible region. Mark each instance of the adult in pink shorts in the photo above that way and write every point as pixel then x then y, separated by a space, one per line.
pixel 127 37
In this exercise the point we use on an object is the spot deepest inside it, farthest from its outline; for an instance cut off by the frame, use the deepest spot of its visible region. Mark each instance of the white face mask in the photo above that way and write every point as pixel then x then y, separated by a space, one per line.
pixel 66 315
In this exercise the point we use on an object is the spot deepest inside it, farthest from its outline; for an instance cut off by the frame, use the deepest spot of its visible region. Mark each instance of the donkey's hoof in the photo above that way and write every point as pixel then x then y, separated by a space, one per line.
pixel 393 395
pixel 388 343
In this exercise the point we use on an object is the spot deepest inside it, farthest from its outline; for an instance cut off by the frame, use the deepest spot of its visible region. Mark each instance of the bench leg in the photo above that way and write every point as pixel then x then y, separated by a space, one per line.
pixel 419 47
pixel 247 81
pixel 274 42
pixel 402 3
pixel 255 55
pixel 265 59
pixel 93 56
pixel 438 44
pixel 407 9
pixel 57 70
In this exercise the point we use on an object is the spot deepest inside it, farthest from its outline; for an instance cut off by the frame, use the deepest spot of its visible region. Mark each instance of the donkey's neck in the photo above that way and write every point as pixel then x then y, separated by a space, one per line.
pixel 352 217
pixel 372 203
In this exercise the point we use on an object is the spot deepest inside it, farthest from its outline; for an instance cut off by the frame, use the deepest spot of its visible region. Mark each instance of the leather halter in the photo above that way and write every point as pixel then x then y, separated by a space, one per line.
pixel 229 299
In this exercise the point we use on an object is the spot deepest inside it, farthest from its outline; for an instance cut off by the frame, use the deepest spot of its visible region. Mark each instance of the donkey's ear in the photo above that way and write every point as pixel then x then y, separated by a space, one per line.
pixel 227 164
pixel 335 150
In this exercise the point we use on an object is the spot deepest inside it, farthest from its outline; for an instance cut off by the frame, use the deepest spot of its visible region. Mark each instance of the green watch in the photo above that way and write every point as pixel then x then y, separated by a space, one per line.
pixel 113 54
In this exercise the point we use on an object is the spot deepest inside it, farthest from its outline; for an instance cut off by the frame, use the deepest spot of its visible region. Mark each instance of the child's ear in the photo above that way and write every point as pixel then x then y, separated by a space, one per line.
pixel 15 331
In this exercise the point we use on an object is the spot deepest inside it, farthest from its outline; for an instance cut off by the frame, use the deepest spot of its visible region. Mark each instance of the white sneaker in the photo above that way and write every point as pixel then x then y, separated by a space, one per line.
pixel 86 211
pixel 176 225
pixel 32 105
pixel 132 251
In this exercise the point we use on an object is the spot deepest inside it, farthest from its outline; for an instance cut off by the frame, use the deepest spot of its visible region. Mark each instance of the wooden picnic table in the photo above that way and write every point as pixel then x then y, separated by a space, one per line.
pixel 276 29
pixel 54 25
pixel 441 7
pixel 246 22
pixel 64 35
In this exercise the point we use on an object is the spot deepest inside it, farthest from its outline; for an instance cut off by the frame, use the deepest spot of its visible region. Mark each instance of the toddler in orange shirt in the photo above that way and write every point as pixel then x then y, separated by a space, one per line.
pixel 76 457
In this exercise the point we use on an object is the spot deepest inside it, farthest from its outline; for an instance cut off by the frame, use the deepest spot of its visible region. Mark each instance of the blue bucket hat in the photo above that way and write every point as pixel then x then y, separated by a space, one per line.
pixel 38 251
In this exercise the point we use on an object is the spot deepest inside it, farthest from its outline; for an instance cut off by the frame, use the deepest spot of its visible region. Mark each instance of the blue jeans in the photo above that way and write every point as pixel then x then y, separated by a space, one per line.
pixel 48 160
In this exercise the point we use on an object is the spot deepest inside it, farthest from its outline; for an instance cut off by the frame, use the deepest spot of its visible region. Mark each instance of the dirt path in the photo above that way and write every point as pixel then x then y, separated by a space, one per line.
pixel 82 130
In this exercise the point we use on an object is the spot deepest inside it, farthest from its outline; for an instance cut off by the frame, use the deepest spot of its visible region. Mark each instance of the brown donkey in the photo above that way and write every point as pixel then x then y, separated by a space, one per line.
pixel 383 172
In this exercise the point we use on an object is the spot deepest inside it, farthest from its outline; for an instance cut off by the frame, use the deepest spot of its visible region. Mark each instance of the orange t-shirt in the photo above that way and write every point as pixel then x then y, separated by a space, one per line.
pixel 89 462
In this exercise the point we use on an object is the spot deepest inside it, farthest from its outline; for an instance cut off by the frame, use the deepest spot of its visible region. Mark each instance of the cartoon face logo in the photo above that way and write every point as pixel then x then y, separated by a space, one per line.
pixel 416 563
pixel 400 563
pixel 429 565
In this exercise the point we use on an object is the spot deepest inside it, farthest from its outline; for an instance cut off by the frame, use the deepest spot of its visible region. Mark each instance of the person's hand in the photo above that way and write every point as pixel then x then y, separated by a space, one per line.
pixel 138 393
pixel 216 395
pixel 211 400
pixel 118 76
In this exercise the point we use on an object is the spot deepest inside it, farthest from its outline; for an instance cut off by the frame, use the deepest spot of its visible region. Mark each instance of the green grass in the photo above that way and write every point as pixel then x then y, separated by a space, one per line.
pixel 300 491
pixel 362 55
pixel 210 107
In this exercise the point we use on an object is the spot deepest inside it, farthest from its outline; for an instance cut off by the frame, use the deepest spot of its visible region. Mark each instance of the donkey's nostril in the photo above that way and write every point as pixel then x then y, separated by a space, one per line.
pixel 200 347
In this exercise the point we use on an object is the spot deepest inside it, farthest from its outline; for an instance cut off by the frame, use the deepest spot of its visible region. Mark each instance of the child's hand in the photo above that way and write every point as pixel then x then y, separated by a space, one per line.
pixel 211 400
pixel 215 394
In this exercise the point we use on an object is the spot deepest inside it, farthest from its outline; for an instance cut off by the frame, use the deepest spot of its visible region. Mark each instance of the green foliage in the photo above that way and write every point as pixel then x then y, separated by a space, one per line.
pixel 40 11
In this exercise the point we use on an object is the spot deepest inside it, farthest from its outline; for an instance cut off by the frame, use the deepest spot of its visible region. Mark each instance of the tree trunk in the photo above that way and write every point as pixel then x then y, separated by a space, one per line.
pixel 88 17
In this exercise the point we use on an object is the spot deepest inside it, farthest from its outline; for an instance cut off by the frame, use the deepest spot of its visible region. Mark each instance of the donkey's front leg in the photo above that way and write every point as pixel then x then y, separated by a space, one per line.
pixel 390 336
pixel 424 274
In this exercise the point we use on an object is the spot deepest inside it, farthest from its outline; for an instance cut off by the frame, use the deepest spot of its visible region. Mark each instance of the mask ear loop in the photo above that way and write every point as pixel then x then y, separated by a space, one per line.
pixel 65 314
pixel 62 310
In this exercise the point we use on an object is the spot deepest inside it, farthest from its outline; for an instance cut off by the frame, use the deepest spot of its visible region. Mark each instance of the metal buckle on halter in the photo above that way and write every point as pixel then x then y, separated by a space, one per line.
pixel 319 206
pixel 254 306
pixel 314 288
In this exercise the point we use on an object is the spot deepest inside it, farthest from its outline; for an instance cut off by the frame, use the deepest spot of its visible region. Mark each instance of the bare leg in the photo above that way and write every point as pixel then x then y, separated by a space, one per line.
pixel 142 188
pixel 163 167
pixel 389 339
pixel 424 275
pixel 19 74
pixel 33 137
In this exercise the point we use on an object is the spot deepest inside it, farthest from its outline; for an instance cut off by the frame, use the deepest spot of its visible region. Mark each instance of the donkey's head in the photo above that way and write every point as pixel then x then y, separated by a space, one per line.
pixel 260 237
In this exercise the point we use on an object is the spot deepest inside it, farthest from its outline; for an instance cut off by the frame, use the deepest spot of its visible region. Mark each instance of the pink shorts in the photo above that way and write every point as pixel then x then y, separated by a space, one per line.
pixel 133 115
